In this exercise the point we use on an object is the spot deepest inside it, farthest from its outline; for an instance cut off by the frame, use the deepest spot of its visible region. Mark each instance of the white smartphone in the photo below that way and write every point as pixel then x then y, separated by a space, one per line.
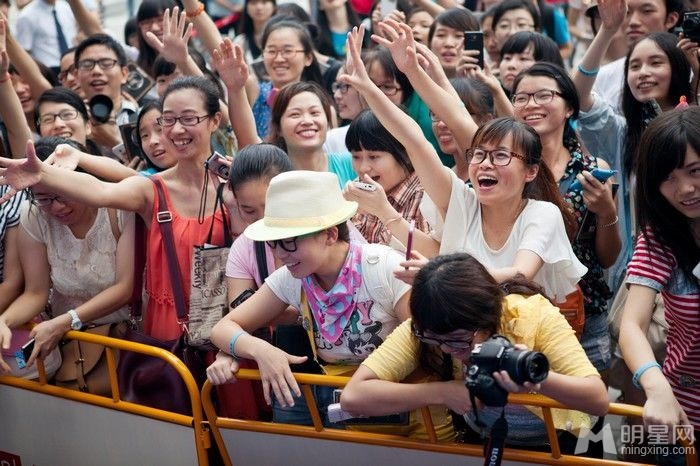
pixel 364 186
pixel 386 7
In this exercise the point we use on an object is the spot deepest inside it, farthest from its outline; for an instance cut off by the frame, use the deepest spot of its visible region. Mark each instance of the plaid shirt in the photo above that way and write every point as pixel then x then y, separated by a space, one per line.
pixel 405 198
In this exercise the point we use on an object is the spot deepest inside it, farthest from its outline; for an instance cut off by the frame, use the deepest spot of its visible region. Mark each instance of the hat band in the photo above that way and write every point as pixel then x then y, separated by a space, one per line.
pixel 309 222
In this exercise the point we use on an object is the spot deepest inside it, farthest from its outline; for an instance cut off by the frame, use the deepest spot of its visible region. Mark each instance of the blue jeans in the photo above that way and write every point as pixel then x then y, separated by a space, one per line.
pixel 595 340
pixel 299 413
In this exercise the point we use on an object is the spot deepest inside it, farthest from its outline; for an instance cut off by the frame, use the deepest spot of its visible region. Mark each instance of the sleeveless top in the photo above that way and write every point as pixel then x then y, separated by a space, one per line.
pixel 595 290
pixel 79 268
pixel 161 318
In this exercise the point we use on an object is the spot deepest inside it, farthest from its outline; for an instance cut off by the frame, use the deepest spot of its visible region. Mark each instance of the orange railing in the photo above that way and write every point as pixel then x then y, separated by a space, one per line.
pixel 432 445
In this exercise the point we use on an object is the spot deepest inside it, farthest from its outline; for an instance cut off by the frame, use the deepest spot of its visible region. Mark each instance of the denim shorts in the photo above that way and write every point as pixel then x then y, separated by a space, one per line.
pixel 299 413
pixel 596 340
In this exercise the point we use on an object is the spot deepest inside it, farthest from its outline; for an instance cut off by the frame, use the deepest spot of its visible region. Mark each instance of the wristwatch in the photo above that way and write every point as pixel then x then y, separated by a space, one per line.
pixel 75 323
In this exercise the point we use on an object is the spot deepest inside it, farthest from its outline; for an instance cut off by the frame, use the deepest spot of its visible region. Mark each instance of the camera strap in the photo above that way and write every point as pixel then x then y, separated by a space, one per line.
pixel 493 450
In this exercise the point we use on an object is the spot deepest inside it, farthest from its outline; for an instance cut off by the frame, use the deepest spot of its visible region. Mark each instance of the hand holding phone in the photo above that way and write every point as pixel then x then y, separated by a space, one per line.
pixel 23 354
pixel 364 186
pixel 474 40
pixel 409 242
pixel 599 174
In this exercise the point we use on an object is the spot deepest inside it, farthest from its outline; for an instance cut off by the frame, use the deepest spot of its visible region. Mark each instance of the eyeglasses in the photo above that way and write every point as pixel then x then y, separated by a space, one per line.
pixel 89 64
pixel 185 120
pixel 518 25
pixel 388 89
pixel 541 97
pixel 343 88
pixel 286 53
pixel 288 244
pixel 62 75
pixel 460 344
pixel 498 157
pixel 45 201
pixel 64 115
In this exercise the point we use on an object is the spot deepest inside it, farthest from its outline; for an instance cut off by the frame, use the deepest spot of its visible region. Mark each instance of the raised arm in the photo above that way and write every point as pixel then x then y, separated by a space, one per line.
pixel 433 175
pixel 104 168
pixel 134 194
pixel 229 62
pixel 12 276
pixel 612 13
pixel 398 38
pixel 206 29
pixel 25 64
pixel 11 108
pixel 88 21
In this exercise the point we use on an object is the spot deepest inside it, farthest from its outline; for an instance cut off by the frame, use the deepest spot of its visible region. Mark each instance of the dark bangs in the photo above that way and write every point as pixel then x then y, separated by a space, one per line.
pixel 367 133
pixel 525 139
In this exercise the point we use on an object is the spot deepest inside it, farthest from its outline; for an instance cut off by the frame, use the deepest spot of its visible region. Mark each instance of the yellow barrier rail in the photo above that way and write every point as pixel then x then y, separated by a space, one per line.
pixel 318 431
pixel 196 421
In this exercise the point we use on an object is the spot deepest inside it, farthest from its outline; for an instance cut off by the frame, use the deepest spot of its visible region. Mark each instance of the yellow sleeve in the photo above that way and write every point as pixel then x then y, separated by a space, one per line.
pixel 397 357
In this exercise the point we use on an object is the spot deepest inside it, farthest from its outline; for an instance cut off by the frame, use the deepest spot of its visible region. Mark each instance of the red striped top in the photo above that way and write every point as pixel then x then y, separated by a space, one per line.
pixel 653 265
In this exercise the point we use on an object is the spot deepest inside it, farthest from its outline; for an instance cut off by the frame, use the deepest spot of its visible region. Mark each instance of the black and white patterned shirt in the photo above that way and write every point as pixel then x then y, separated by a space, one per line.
pixel 9 217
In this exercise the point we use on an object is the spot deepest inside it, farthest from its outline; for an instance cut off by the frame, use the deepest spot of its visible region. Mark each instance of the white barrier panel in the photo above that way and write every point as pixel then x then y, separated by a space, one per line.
pixel 44 430
pixel 255 448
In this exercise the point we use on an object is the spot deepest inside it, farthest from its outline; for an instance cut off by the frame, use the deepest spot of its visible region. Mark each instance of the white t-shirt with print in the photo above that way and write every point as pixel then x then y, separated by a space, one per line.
pixel 373 318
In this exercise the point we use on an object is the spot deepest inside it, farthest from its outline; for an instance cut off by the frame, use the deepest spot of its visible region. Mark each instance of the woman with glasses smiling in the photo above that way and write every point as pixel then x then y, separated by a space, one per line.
pixel 544 97
pixel 455 305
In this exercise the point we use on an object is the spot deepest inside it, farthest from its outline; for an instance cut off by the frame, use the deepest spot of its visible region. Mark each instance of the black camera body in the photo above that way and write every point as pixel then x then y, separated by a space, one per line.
pixel 497 354
pixel 691 25
pixel 101 107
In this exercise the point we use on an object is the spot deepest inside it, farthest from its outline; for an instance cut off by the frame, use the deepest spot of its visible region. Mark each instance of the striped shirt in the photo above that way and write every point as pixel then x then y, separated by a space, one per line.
pixel 654 265
pixel 9 217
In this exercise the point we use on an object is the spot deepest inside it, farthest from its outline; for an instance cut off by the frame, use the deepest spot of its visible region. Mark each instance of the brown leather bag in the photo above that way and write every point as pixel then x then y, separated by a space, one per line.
pixel 84 365
pixel 572 309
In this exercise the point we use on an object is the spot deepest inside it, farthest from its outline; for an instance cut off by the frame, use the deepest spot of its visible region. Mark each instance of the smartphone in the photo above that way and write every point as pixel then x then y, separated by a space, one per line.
pixel 387 6
pixel 27 349
pixel 474 40
pixel 138 83
pixel 130 145
pixel 409 242
pixel 217 166
pixel 599 174
pixel 247 293
pixel 364 186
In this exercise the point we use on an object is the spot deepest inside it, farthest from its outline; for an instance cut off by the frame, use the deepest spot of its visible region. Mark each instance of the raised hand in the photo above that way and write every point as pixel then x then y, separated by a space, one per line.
pixel 4 57
pixel 65 156
pixel 176 33
pixel 398 38
pixel 355 73
pixel 612 13
pixel 19 174
pixel 229 62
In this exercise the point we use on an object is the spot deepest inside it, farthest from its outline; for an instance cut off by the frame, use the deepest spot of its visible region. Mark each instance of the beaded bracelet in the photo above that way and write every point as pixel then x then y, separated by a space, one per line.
pixel 197 12
pixel 586 72
pixel 233 341
pixel 642 369
pixel 614 222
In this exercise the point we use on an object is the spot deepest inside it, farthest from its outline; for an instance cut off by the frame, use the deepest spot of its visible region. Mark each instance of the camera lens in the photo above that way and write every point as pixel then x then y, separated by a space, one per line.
pixel 531 366
pixel 101 108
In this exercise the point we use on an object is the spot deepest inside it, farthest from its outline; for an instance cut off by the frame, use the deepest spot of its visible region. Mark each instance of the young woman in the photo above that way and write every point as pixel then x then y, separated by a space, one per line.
pixel 446 36
pixel 288 55
pixel 301 116
pixel 380 160
pixel 420 21
pixel 498 221
pixel 349 290
pixel 544 97
pixel 190 116
pixel 250 30
pixel 149 18
pixel 455 305
pixel 521 51
pixel 657 74
pixel 668 248
pixel 80 260
pixel 348 104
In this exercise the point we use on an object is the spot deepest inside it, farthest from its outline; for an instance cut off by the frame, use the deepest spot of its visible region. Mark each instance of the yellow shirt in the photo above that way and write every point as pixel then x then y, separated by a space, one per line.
pixel 529 320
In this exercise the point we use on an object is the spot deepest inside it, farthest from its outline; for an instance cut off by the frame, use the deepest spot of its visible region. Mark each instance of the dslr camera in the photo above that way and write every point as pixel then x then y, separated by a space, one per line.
pixel 497 354
pixel 691 25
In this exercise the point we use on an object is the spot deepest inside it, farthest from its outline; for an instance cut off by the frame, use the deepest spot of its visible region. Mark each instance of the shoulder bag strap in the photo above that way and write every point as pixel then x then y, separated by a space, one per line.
pixel 219 202
pixel 261 258
pixel 165 218
pixel 139 265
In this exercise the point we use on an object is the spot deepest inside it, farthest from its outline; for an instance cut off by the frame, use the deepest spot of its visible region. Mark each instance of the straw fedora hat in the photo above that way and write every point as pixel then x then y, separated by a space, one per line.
pixel 300 202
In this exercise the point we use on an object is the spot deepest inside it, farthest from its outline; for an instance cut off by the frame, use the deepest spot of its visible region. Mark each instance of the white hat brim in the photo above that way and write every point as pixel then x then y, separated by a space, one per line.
pixel 260 231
